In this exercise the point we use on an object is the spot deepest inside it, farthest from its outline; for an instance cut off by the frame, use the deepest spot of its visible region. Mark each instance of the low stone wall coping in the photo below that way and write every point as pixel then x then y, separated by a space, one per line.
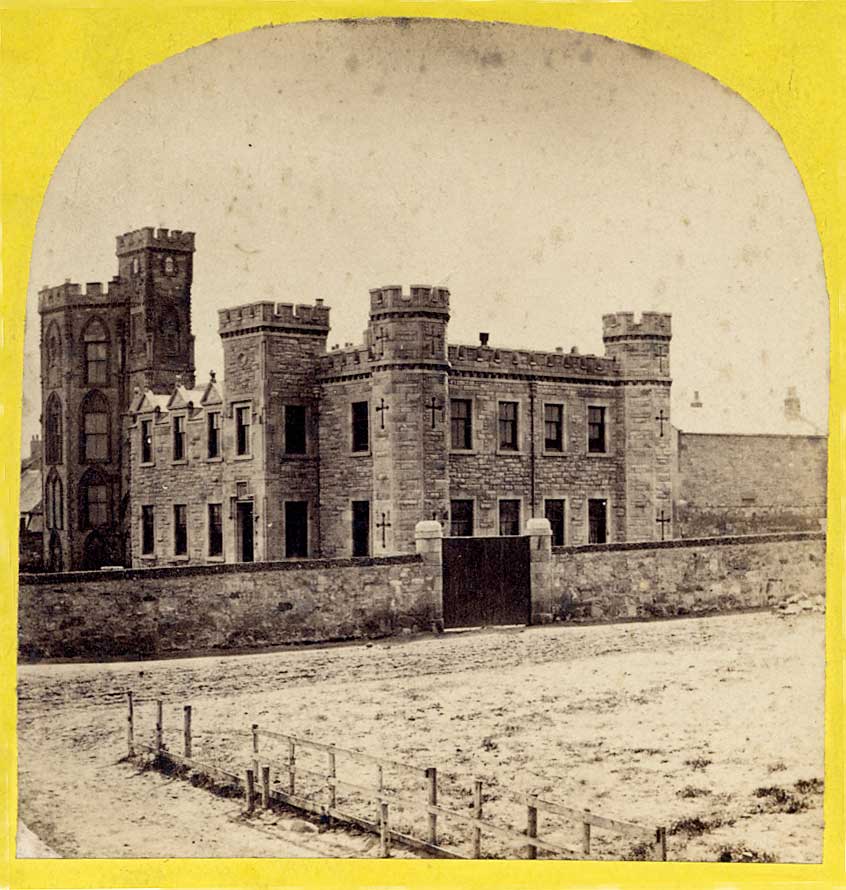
pixel 228 568
pixel 691 542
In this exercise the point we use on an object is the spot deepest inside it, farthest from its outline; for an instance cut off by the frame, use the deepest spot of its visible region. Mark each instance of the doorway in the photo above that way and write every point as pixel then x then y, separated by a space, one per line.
pixel 244 531
pixel 296 528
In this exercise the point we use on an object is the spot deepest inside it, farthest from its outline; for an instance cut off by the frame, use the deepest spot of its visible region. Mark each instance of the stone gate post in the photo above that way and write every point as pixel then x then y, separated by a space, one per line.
pixel 428 538
pixel 540 560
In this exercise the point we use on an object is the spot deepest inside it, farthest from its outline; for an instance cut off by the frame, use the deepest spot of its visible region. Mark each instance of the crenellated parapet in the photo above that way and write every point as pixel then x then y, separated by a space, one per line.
pixel 282 316
pixel 419 298
pixel 94 293
pixel 162 239
pixel 524 361
pixel 350 360
pixel 623 324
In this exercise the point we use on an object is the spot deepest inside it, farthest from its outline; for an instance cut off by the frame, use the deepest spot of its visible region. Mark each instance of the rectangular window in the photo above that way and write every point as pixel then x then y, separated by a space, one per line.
pixel 461 519
pixel 295 429
pixel 148 530
pixel 243 419
pixel 96 362
pixel 296 528
pixel 361 528
pixel 509 517
pixel 597 521
pixel 554 512
pixel 360 426
pixel 461 428
pixel 213 429
pixel 215 530
pixel 179 438
pixel 146 441
pixel 96 434
pixel 180 529
pixel 553 427
pixel 596 430
pixel 508 426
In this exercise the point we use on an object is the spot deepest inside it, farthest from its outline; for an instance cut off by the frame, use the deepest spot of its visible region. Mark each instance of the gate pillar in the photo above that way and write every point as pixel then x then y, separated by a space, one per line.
pixel 540 561
pixel 428 539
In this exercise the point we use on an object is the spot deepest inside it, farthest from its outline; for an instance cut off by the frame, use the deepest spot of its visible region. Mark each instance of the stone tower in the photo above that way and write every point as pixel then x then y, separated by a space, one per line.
pixel 409 412
pixel 97 344
pixel 642 351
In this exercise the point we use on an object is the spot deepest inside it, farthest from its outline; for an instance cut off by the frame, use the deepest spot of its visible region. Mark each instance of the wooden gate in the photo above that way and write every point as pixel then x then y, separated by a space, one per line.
pixel 486 581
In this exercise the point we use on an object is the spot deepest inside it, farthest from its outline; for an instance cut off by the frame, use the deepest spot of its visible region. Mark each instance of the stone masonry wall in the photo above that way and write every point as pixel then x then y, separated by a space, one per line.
pixel 659 579
pixel 729 484
pixel 150 612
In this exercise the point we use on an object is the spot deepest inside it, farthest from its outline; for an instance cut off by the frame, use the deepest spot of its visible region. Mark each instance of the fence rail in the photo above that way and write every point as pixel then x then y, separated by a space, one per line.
pixel 256 787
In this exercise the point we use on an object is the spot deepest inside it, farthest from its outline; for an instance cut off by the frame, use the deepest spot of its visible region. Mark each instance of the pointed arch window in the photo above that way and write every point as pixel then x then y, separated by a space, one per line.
pixel 53 430
pixel 95 428
pixel 170 331
pixel 54 501
pixel 94 500
pixel 54 346
pixel 96 343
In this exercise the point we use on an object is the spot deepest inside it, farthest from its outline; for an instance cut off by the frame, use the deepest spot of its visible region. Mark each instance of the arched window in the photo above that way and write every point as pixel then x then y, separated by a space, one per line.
pixel 94 501
pixel 53 343
pixel 54 506
pixel 169 330
pixel 96 344
pixel 94 428
pixel 55 560
pixel 169 266
pixel 136 265
pixel 53 430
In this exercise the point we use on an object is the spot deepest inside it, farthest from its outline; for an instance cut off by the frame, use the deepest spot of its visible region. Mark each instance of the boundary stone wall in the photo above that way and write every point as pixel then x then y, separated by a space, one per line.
pixel 685 576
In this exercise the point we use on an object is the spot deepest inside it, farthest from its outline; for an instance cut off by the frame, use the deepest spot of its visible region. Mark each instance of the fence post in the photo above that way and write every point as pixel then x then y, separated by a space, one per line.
pixel 159 725
pixel 586 838
pixel 130 724
pixel 432 778
pixel 531 830
pixel 661 844
pixel 332 793
pixel 186 729
pixel 477 812
pixel 292 760
pixel 255 749
pixel 384 831
pixel 265 787
pixel 249 791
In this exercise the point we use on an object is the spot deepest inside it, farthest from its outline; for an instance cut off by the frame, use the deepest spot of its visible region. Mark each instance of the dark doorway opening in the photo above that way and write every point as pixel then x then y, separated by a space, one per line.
pixel 296 528
pixel 597 521
pixel 244 522
pixel 361 528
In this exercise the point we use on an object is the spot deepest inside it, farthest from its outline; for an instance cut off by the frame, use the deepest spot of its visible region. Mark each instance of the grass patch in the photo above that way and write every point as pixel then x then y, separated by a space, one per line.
pixel 743 854
pixel 809 786
pixel 691 791
pixel 780 800
pixel 698 763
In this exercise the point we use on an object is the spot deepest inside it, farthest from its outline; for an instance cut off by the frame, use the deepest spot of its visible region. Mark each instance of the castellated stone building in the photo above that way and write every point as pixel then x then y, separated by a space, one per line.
pixel 302 452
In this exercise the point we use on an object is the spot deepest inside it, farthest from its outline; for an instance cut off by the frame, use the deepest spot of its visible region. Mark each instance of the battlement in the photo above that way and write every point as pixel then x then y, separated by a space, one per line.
pixel 267 314
pixel 623 324
pixel 530 361
pixel 71 293
pixel 347 360
pixel 170 239
pixel 418 296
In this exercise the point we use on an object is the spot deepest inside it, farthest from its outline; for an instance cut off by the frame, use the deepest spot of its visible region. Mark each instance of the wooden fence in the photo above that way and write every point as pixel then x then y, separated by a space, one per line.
pixel 257 788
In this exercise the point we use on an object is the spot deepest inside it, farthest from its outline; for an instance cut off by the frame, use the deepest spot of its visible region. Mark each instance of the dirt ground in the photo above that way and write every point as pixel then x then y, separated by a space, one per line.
pixel 712 727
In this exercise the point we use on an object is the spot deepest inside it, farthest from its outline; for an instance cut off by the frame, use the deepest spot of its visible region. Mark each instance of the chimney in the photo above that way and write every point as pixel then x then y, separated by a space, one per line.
pixel 484 336
pixel 35 446
pixel 792 408
pixel 696 403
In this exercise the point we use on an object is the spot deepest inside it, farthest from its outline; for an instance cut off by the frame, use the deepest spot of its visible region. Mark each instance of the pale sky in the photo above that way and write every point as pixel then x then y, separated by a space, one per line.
pixel 546 177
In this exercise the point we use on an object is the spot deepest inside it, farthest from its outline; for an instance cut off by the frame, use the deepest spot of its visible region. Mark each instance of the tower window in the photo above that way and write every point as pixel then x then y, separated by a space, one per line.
pixel 94 501
pixel 295 429
pixel 553 427
pixel 360 426
pixel 95 428
pixel 213 429
pixel 146 441
pixel 169 266
pixel 180 530
pixel 136 265
pixel 169 331
pixel 509 517
pixel 148 529
pixel 179 437
pixel 55 502
pixel 96 343
pixel 215 530
pixel 596 430
pixel 53 431
pixel 243 419
pixel 460 422
pixel 508 426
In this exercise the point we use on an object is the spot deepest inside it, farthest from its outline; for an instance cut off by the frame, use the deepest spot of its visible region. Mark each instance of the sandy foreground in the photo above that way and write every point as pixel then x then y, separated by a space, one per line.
pixel 712 727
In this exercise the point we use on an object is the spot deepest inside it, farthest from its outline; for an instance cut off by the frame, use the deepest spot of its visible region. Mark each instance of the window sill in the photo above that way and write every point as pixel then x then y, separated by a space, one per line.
pixel 468 451
pixel 243 457
pixel 181 557
pixel 360 453
pixel 215 559
pixel 599 454
pixel 179 463
pixel 516 452
pixel 147 463
pixel 148 556
pixel 214 460
pixel 554 452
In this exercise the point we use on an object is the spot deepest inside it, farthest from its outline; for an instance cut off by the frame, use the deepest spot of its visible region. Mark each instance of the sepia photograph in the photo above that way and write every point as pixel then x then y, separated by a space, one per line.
pixel 525 561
